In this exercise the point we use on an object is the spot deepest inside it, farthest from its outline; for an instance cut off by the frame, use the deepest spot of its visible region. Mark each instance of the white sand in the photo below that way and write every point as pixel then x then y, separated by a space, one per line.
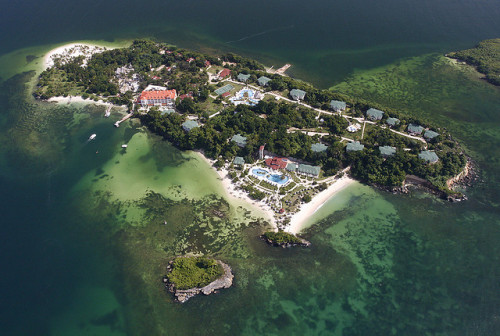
pixel 307 210
pixel 77 99
pixel 72 50
pixel 232 192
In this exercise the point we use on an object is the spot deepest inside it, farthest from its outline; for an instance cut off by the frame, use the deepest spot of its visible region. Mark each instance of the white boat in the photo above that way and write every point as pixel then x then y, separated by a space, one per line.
pixel 124 146
pixel 92 137
pixel 108 112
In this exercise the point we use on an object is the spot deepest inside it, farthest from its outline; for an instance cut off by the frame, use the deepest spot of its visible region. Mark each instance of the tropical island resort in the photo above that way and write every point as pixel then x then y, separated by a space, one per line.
pixel 275 141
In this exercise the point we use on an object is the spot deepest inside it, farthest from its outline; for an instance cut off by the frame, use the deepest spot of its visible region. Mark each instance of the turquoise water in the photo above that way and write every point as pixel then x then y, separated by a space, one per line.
pixel 83 242
pixel 275 178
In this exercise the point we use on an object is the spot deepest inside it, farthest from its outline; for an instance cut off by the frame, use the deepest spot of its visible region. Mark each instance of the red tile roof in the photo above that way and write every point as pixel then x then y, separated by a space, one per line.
pixel 207 63
pixel 190 59
pixel 224 73
pixel 163 94
pixel 225 94
pixel 277 163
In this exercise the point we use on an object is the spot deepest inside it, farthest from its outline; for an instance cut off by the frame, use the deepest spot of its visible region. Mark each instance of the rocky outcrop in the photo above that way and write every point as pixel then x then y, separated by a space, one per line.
pixel 302 242
pixel 182 295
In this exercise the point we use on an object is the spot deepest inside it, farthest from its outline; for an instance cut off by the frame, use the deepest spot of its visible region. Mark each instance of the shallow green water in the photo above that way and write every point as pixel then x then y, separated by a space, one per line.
pixel 83 238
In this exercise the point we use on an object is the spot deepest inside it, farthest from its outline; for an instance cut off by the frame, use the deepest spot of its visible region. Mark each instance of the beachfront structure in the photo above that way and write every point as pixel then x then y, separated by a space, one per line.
pixel 386 151
pixel 429 135
pixel 157 98
pixel 338 106
pixel 243 77
pixel 238 161
pixel 354 146
pixel 297 94
pixel 225 89
pixel 428 156
pixel 414 129
pixel 224 73
pixel 374 114
pixel 188 125
pixel 308 170
pixel 291 167
pixel 263 80
pixel 240 140
pixel 392 121
pixel 276 163
pixel 318 147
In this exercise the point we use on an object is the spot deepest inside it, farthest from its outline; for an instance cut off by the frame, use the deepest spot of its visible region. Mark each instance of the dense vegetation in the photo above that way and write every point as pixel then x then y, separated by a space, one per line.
pixel 276 124
pixel 281 237
pixel 191 272
pixel 485 56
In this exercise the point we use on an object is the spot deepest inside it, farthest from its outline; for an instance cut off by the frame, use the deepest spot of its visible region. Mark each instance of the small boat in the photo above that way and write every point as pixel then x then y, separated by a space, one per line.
pixel 92 137
pixel 165 223
pixel 108 112
pixel 124 146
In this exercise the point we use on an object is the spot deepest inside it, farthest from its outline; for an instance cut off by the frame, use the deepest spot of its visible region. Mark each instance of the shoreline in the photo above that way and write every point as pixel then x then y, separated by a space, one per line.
pixel 236 194
pixel 300 218
pixel 76 49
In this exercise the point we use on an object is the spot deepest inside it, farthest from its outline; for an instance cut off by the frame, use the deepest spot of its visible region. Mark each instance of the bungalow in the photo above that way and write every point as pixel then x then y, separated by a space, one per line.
pixel 291 167
pixel 263 80
pixel 374 114
pixel 188 125
pixel 392 121
pixel 238 161
pixel 190 59
pixel 387 151
pixel 414 129
pixel 318 147
pixel 308 170
pixel 224 73
pixel 207 63
pixel 240 140
pixel 157 98
pixel 297 94
pixel 243 77
pixel 428 156
pixel 338 106
pixel 354 146
pixel 429 135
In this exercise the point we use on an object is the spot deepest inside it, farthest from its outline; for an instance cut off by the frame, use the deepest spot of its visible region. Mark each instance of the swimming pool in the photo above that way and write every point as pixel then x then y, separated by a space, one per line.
pixel 266 174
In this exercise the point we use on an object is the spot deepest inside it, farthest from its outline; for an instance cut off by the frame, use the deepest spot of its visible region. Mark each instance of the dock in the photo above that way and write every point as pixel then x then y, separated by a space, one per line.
pixel 117 124
pixel 281 71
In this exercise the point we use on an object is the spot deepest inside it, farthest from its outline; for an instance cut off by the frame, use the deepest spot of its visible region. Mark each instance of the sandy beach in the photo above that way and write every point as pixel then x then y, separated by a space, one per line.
pixel 72 50
pixel 307 210
pixel 232 192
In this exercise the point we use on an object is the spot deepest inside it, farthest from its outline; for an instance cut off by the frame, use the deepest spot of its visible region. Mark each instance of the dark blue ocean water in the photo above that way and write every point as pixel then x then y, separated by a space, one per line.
pixel 415 266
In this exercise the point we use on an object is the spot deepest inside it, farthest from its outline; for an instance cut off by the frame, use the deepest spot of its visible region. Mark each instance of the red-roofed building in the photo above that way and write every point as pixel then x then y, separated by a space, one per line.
pixel 277 163
pixel 226 94
pixel 224 73
pixel 184 96
pixel 161 98
pixel 155 77
pixel 207 63
pixel 190 59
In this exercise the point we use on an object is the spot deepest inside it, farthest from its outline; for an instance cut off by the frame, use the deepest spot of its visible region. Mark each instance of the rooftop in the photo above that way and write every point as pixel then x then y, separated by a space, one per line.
pixel 188 125
pixel 243 77
pixel 354 146
pixel 307 169
pixel 416 129
pixel 263 80
pixel 277 163
pixel 239 139
pixel 161 94
pixel 224 73
pixel 430 134
pixel 238 160
pixel 318 147
pixel 428 156
pixel 338 105
pixel 297 94
pixel 374 114
pixel 387 150
pixel 392 121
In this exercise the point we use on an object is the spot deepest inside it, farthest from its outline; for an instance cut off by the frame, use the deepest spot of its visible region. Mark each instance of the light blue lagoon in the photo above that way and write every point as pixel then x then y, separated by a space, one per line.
pixel 274 178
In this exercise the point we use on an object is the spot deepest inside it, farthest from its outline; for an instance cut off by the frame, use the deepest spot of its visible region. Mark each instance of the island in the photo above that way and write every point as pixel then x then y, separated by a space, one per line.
pixel 188 276
pixel 284 239
pixel 485 57
pixel 276 141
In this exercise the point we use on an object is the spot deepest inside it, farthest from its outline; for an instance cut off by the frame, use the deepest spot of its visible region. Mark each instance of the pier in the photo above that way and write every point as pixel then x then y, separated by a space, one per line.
pixel 117 124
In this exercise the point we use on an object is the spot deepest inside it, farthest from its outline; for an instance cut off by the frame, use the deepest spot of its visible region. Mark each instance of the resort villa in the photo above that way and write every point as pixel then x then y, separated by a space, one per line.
pixel 392 122
pixel 263 80
pixel 318 147
pixel 240 140
pixel 387 151
pixel 224 73
pixel 243 77
pixel 338 106
pixel 429 135
pixel 415 129
pixel 297 94
pixel 238 161
pixel 429 156
pixel 354 146
pixel 157 98
pixel 374 114
pixel 188 125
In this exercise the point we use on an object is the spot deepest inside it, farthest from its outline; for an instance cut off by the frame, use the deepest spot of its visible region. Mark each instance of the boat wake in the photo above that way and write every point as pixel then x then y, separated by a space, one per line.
pixel 262 33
